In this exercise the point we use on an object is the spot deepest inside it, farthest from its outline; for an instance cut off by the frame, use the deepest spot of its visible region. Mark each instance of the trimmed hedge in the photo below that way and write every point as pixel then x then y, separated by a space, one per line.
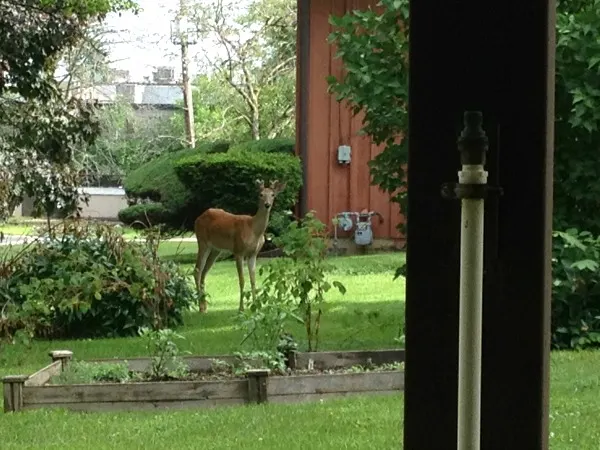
pixel 145 215
pixel 227 180
pixel 184 184
pixel 279 145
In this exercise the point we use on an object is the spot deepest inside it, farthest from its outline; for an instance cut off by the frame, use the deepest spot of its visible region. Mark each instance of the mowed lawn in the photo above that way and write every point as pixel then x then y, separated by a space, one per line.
pixel 367 317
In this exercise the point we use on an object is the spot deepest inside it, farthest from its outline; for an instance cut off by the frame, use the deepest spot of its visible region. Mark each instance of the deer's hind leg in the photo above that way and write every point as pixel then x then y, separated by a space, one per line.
pixel 201 260
pixel 239 262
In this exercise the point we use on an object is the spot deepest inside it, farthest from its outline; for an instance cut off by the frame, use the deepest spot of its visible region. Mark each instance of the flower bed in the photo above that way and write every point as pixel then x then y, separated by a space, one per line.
pixel 310 376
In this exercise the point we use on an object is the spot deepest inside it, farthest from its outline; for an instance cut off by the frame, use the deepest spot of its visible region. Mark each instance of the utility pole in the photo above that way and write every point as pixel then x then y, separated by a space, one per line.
pixel 180 35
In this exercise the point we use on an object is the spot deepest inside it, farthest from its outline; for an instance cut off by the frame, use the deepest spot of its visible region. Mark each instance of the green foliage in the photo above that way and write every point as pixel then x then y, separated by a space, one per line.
pixel 84 372
pixel 164 352
pixel 577 124
pixel 227 180
pixel 293 288
pixel 42 128
pixel 280 145
pixel 144 215
pixel 89 282
pixel 575 290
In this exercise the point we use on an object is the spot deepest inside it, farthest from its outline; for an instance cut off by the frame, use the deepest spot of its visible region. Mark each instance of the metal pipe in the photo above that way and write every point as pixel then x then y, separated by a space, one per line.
pixel 472 183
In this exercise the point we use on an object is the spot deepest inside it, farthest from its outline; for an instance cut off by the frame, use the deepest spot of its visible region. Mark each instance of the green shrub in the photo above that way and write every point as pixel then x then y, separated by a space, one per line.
pixel 279 145
pixel 145 215
pixel 227 180
pixel 156 180
pixel 575 290
pixel 89 282
pixel 214 147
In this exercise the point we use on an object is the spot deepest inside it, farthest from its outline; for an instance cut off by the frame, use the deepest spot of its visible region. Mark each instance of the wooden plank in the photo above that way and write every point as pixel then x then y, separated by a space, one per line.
pixel 333 360
pixel 42 376
pixel 139 406
pixel 123 392
pixel 328 396
pixel 335 383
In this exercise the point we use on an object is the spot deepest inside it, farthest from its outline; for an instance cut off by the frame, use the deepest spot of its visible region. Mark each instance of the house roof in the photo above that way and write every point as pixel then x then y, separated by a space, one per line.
pixel 135 93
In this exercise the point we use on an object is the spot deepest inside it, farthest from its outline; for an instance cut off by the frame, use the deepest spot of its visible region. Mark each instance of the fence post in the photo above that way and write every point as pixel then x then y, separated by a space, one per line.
pixel 257 385
pixel 13 392
pixel 64 356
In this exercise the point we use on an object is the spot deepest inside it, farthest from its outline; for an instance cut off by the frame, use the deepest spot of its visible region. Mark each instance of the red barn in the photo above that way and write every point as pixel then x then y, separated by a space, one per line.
pixel 323 125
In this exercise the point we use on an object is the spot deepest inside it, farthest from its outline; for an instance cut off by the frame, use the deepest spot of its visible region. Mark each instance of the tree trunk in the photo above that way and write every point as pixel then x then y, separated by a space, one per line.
pixel 255 124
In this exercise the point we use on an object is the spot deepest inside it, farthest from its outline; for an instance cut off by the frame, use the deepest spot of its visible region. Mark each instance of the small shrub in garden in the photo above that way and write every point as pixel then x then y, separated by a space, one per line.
pixel 164 352
pixel 575 290
pixel 293 287
pixel 83 372
pixel 88 281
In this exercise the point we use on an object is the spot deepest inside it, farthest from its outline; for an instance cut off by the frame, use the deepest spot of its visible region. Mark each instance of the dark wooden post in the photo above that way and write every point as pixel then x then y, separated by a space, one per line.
pixel 13 392
pixel 257 385
pixel 495 58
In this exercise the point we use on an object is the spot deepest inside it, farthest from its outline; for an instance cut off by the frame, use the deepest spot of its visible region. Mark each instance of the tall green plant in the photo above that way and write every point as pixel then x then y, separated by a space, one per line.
pixel 293 287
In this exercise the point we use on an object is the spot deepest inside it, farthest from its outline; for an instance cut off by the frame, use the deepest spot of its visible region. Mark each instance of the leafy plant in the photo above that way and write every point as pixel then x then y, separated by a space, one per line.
pixel 293 287
pixel 166 361
pixel 88 281
pixel 84 372
pixel 575 290
pixel 273 361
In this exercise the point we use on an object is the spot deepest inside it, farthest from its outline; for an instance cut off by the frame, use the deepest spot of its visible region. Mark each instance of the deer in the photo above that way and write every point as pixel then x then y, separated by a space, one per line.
pixel 243 235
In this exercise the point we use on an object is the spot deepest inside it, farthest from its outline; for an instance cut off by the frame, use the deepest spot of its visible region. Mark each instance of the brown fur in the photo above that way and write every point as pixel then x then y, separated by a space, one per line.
pixel 243 235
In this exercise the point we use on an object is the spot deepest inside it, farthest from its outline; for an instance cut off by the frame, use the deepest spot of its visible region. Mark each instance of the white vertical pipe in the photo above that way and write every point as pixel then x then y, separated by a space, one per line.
pixel 471 306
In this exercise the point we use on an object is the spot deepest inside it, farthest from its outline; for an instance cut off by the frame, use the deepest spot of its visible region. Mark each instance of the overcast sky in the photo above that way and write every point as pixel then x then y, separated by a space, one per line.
pixel 147 39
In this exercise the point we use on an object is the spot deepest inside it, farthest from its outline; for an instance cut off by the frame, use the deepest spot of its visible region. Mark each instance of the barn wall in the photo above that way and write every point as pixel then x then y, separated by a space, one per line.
pixel 332 188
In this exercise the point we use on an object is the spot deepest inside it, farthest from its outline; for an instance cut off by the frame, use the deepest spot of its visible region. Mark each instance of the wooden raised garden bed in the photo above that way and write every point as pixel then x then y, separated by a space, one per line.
pixel 312 376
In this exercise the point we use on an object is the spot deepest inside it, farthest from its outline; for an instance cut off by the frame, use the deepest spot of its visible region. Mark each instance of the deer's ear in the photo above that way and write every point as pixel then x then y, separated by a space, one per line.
pixel 260 184
pixel 277 186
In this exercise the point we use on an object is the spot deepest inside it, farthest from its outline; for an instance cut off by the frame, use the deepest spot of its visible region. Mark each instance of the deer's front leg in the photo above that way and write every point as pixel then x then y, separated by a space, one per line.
pixel 239 262
pixel 252 273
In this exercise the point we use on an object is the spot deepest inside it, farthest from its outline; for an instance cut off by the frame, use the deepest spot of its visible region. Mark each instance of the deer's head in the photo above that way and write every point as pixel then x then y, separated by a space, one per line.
pixel 267 195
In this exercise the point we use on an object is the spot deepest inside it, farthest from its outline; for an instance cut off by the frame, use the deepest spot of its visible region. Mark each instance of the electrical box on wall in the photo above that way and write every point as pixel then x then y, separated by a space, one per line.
pixel 344 154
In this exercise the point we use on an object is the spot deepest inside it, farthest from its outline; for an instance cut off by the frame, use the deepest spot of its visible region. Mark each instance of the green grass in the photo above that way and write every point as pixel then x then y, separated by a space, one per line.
pixel 367 317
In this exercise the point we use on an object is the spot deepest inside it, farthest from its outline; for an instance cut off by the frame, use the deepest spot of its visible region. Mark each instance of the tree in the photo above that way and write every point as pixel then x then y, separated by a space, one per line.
pixel 257 61
pixel 127 140
pixel 374 49
pixel 577 124
pixel 41 128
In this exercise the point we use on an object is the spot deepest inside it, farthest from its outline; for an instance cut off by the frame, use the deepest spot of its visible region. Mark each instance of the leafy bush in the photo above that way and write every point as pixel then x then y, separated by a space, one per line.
pixel 89 282
pixel 293 288
pixel 214 147
pixel 227 180
pixel 575 290
pixel 145 215
pixel 280 145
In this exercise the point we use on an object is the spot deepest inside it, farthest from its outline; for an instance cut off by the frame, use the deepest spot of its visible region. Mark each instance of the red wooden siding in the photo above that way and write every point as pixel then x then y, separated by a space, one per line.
pixel 332 188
